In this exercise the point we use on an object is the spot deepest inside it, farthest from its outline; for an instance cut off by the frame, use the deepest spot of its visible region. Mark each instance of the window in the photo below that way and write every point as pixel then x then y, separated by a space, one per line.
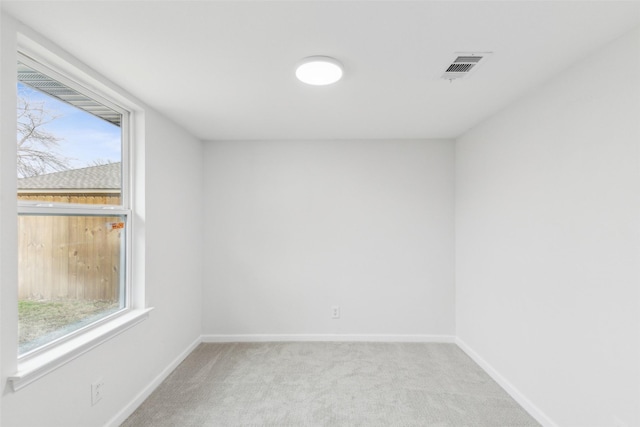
pixel 74 217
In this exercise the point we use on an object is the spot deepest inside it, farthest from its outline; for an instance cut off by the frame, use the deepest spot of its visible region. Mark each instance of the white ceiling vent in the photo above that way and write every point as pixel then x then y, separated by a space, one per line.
pixel 464 64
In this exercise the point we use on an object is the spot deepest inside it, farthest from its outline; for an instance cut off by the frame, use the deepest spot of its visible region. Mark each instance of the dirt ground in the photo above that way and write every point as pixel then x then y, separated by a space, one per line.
pixel 39 318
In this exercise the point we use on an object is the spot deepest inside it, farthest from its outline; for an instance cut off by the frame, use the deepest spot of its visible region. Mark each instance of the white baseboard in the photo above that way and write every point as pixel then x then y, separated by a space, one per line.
pixel 522 400
pixel 327 338
pixel 121 416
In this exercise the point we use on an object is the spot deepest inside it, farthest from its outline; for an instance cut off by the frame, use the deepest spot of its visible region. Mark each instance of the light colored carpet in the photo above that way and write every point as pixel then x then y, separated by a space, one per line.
pixel 329 384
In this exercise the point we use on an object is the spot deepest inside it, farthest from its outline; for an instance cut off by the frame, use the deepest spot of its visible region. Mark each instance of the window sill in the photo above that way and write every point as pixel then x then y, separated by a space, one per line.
pixel 38 366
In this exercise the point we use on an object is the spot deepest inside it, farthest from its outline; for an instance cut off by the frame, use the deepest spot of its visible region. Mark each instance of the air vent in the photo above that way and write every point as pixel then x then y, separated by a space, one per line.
pixel 464 64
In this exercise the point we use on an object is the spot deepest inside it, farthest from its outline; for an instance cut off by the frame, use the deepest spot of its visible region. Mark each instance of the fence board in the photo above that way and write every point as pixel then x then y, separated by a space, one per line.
pixel 69 257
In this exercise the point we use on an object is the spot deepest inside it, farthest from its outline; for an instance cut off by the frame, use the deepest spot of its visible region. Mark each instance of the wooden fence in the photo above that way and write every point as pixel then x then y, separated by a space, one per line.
pixel 69 257
pixel 80 198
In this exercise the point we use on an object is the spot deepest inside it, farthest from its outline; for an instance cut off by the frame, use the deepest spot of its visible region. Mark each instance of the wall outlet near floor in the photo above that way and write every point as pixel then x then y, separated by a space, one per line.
pixel 97 390
pixel 335 312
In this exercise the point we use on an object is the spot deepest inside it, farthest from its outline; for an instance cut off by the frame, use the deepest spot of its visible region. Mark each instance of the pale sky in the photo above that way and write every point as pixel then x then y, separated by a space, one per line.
pixel 85 137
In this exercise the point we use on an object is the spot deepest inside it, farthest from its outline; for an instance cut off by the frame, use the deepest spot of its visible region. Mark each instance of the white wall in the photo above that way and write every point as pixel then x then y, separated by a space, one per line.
pixel 294 227
pixel 8 210
pixel 547 241
pixel 171 215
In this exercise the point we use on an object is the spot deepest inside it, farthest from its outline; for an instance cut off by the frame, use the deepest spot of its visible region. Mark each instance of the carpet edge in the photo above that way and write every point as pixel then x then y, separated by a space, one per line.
pixel 224 338
pixel 131 407
pixel 515 394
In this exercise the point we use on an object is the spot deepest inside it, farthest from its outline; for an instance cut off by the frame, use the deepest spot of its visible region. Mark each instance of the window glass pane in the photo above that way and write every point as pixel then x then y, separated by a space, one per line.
pixel 69 145
pixel 70 274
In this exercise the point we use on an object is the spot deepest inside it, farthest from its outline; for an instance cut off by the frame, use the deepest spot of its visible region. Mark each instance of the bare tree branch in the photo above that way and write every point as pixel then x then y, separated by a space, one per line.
pixel 37 148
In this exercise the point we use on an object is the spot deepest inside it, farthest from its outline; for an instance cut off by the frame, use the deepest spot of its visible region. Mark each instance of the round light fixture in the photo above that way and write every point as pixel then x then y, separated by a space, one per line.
pixel 319 70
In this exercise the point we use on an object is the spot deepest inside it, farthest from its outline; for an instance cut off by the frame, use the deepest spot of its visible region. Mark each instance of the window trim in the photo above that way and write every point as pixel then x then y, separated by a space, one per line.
pixel 39 361
pixel 44 362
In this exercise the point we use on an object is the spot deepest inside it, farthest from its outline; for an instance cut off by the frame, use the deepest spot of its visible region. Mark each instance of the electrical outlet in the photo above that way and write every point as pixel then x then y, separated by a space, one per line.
pixel 97 391
pixel 335 312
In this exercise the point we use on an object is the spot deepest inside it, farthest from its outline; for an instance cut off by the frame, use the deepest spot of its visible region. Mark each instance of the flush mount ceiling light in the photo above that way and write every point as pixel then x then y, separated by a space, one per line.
pixel 319 70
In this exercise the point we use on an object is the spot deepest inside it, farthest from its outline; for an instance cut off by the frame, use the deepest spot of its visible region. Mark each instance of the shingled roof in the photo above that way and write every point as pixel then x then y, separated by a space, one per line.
pixel 103 177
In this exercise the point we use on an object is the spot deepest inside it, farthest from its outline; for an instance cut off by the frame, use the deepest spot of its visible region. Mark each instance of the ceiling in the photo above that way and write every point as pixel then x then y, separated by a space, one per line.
pixel 224 70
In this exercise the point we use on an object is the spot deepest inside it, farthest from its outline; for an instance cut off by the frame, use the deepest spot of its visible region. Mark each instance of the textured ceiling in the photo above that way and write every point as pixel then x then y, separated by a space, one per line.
pixel 224 70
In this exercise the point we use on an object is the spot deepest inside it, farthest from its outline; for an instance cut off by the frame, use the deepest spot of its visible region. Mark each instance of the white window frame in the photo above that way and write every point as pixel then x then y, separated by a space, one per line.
pixel 42 360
